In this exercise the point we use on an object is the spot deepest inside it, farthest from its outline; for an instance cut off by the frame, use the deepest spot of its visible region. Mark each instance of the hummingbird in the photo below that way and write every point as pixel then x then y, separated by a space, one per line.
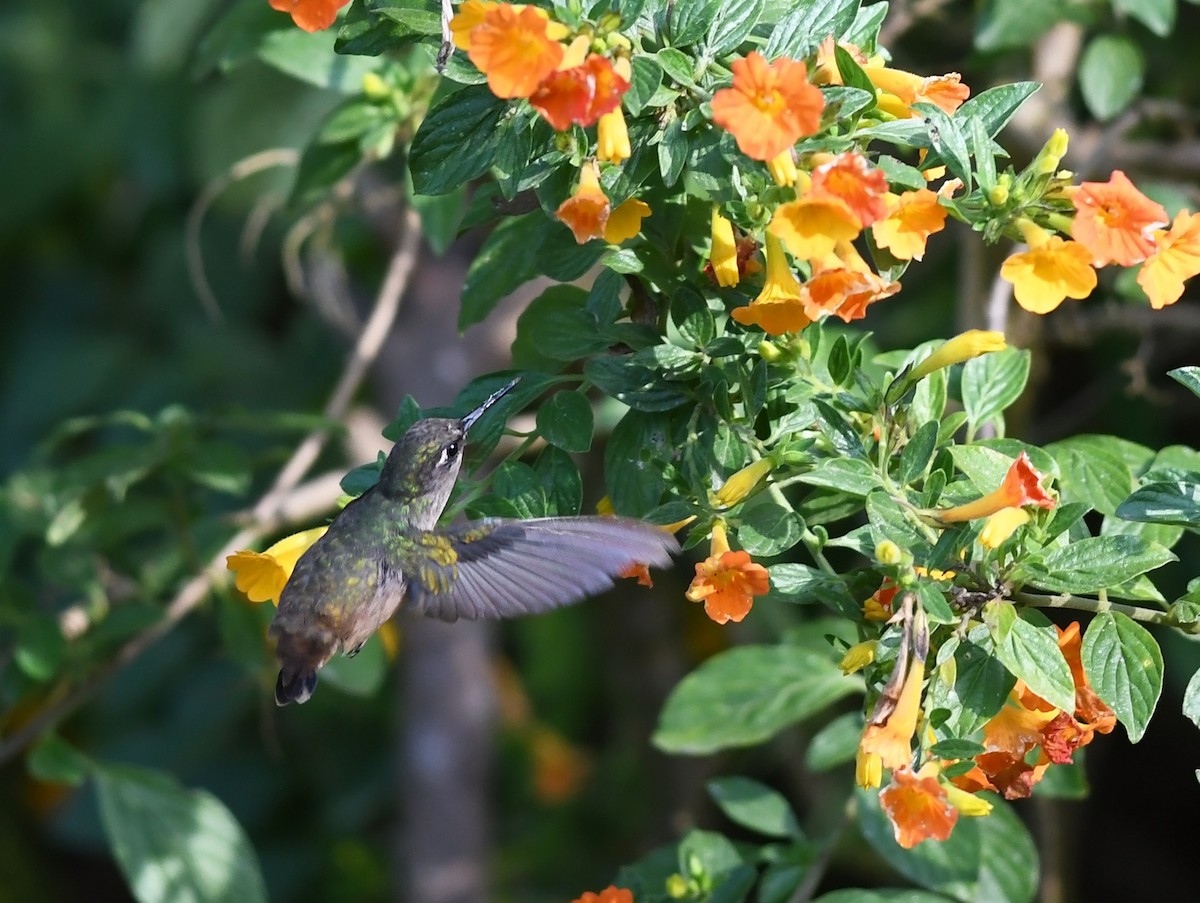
pixel 385 551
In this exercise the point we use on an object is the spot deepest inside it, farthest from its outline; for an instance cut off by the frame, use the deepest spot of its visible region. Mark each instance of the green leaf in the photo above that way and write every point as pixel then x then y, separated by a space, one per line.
pixel 310 58
pixel 566 420
pixel 730 25
pixel 1124 666
pixel 1031 653
pixel 1176 503
pixel 647 76
pixel 633 384
pixel 994 107
pixel 361 675
pixel 918 453
pixel 1092 470
pixel 754 805
pixel 890 521
pixel 557 326
pixel 1092 564
pixel 949 143
pixel 767 528
pixel 807 25
pixel 688 22
pixel 1157 15
pixel 501 266
pixel 992 382
pixel 1188 377
pixel 175 845
pixel 836 743
pixel 1016 23
pixel 1191 699
pixel 440 216
pixel 746 695
pixel 561 481
pixel 55 760
pixel 321 167
pixel 981 684
pixel 800 584
pixel 633 470
pixel 989 859
pixel 40 647
pixel 456 141
pixel 1111 71
pixel 848 475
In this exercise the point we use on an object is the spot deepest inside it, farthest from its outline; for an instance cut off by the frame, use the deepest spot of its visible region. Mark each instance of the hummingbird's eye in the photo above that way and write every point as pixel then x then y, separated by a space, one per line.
pixel 449 453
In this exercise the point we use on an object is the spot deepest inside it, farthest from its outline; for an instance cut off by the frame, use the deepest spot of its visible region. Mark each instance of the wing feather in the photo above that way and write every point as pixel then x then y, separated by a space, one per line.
pixel 505 568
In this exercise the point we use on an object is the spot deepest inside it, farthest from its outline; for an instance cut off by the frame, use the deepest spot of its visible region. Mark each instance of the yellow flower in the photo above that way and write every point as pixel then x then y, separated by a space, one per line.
pixel 858 656
pixel 966 803
pixel 742 483
pixel 1049 272
pixel 263 575
pixel 779 307
pixel 868 769
pixel 612 138
pixel 783 168
pixel 811 226
pixel 891 737
pixel 723 256
pixel 963 347
pixel 912 217
pixel 1002 525
pixel 626 221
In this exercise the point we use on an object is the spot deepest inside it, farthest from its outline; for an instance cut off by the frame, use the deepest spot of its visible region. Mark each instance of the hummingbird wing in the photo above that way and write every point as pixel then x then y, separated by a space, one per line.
pixel 498 568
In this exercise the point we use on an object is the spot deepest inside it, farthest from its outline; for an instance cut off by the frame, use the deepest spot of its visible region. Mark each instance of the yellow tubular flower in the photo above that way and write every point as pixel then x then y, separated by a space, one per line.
pixel 626 221
pixel 966 803
pixel 723 255
pixel 868 769
pixel 263 575
pixel 612 138
pixel 858 656
pixel 742 483
pixel 783 169
pixel 963 347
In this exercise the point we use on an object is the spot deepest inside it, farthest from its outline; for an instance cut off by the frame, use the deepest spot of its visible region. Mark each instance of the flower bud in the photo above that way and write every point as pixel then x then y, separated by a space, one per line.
pixel 742 483
pixel 887 552
pixel 375 87
pixel 963 347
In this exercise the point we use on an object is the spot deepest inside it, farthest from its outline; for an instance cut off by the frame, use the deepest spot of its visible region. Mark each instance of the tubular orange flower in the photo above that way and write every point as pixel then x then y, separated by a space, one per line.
pixel 917 806
pixel 891 737
pixel 898 90
pixel 311 15
pixel 586 211
pixel 610 894
pixel 727 581
pixel 263 575
pixel 779 307
pixel 1115 221
pixel 911 218
pixel 844 285
pixel 514 48
pixel 1045 275
pixel 1090 710
pixel 626 221
pixel 1176 260
pixel 850 177
pixel 581 94
pixel 1022 486
pixel 879 606
pixel 812 226
pixel 770 106
pixel 470 13
pixel 723 257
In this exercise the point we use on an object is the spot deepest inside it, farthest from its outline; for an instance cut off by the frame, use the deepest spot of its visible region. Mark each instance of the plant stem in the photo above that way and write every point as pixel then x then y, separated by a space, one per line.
pixel 1096 606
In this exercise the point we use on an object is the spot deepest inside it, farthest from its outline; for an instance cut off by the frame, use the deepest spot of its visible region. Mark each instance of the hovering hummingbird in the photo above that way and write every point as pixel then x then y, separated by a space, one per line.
pixel 385 551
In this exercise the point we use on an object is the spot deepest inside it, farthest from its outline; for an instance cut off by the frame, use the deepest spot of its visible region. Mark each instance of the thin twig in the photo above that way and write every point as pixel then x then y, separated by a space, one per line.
pixel 268 512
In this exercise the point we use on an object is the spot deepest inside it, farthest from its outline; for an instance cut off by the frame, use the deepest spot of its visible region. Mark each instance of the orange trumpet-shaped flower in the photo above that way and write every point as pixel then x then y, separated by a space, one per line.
pixel 1049 272
pixel 580 94
pixel 851 178
pixel 891 738
pixel 586 211
pixel 1115 221
pixel 844 285
pixel 727 582
pixel 911 218
pixel 311 15
pixel 1175 260
pixel 514 48
pixel 811 226
pixel 1022 486
pixel 770 107
pixel 779 307
pixel 723 258
pixel 918 806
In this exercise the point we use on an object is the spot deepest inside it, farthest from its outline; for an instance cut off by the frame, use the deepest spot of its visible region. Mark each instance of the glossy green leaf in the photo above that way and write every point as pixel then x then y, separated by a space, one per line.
pixel 632 469
pixel 1030 652
pixel 40 648
pixel 501 266
pixel 1092 470
pixel 1016 23
pixel 55 760
pixel 981 685
pixel 994 107
pixel 456 141
pixel 730 25
pixel 310 58
pixel 1124 666
pixel 917 454
pixel 688 22
pixel 801 584
pixel 1188 377
pixel 992 382
pixel 557 325
pixel 1089 565
pixel 845 474
pixel 746 695
pixel 1111 71
pixel 1157 15
pixel 836 743
pixel 633 384
pixel 948 142
pixel 565 419
pixel 561 481
pixel 890 521
pixel 810 21
pixel 1191 699
pixel 754 805
pixel 175 845
pixel 1176 502
pixel 767 528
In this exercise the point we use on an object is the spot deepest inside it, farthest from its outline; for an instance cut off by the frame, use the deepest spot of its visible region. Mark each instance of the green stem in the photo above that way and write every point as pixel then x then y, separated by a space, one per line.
pixel 1096 606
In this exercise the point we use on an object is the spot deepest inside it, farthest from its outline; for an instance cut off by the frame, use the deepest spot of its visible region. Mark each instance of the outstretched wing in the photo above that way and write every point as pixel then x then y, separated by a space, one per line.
pixel 501 568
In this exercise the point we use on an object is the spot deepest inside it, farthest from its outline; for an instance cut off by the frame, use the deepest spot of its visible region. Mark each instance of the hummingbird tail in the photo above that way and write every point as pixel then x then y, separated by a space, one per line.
pixel 294 686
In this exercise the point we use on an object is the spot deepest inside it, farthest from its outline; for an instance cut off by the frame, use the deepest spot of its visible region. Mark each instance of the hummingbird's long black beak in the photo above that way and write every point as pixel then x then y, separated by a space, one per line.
pixel 469 420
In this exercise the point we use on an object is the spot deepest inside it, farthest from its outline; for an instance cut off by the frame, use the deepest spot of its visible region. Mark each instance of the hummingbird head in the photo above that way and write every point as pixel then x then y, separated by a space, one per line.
pixel 424 463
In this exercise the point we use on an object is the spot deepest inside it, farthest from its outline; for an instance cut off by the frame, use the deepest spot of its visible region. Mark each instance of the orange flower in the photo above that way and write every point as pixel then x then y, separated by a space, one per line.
pixel 879 606
pixel 770 106
pixel 916 803
pixel 581 94
pixel 1048 273
pixel 626 221
pixel 811 226
pixel 610 894
pixel 898 90
pixel 1090 710
pixel 1022 486
pixel 263 575
pixel 1115 221
pixel 779 307
pixel 891 737
pixel 639 571
pixel 1176 260
pixel 911 218
pixel 470 13
pixel 311 15
pixel 586 211
pixel 726 581
pixel 844 285
pixel 514 48
pixel 850 177
pixel 559 768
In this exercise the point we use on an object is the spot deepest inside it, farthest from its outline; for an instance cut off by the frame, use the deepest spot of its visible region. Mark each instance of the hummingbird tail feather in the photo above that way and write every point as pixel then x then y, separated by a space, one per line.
pixel 294 686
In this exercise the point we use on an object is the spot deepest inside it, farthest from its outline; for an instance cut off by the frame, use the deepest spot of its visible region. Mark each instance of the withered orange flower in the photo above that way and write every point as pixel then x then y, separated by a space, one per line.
pixel 581 94
pixel 1022 486
pixel 770 107
pixel 1175 260
pixel 891 737
pixel 1115 221
pixel 917 806
pixel 586 211
pixel 514 48
pixel 311 15
pixel 610 894
pixel 727 582
pixel 850 177
pixel 911 218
